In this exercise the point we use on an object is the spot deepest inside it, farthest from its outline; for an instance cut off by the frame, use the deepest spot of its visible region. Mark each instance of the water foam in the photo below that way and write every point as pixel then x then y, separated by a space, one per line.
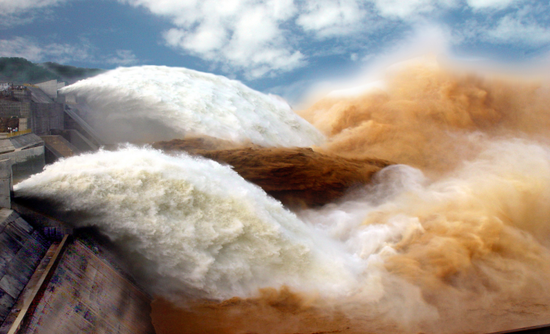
pixel 197 226
pixel 152 103
pixel 412 249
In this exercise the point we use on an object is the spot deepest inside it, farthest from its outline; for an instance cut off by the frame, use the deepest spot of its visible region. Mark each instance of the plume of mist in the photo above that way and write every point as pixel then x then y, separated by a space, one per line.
pixel 464 220
pixel 431 117
pixel 456 252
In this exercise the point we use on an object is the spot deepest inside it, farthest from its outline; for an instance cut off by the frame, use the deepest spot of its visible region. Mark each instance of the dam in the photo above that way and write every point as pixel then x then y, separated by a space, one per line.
pixel 54 279
pixel 67 285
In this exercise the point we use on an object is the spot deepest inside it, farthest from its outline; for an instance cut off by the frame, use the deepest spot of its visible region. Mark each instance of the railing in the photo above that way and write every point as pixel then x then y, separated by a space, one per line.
pixel 17 133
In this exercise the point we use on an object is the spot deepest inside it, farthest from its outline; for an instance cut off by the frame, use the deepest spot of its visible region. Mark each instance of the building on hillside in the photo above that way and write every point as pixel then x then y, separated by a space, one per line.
pixel 28 107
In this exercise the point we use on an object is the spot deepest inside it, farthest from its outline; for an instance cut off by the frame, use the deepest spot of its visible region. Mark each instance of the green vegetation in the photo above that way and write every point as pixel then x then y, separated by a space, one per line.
pixel 20 70
pixel 71 73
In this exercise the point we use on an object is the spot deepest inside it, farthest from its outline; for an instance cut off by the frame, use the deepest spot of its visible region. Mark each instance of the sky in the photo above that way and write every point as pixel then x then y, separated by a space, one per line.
pixel 277 46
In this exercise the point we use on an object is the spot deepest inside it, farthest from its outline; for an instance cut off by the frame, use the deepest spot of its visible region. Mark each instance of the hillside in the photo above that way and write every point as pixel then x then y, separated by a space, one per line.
pixel 20 70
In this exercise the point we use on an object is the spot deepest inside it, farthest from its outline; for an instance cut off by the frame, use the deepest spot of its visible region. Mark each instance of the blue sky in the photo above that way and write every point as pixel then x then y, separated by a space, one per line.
pixel 281 46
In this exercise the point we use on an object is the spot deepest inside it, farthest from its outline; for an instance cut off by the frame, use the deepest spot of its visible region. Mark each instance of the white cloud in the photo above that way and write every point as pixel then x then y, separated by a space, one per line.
pixel 8 7
pixel 266 37
pixel 484 4
pixel 262 37
pixel 245 35
pixel 123 58
pixel 207 38
pixel 20 12
pixel 513 29
pixel 410 9
pixel 332 17
pixel 33 51
pixel 20 47
pixel 62 53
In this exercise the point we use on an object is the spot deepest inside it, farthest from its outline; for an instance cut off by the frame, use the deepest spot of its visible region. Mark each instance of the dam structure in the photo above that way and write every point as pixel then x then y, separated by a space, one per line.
pixel 34 116
pixel 53 278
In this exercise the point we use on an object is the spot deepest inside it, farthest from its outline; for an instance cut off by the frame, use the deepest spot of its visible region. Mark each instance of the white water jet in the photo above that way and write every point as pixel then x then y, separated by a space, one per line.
pixel 201 229
pixel 152 103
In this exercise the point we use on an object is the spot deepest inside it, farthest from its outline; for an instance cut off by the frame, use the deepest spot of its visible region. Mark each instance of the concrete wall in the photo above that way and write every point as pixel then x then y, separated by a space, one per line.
pixel 21 249
pixel 74 137
pixel 40 117
pixel 23 94
pixel 46 116
pixel 26 162
pixel 87 295
pixel 6 183
pixel 65 284
pixel 26 152
pixel 58 147
pixel 11 108
pixel 23 124
pixel 15 109
pixel 49 87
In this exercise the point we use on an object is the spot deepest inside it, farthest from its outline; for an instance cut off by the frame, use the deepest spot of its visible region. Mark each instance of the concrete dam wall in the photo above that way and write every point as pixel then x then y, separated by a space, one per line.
pixel 57 282
pixel 22 249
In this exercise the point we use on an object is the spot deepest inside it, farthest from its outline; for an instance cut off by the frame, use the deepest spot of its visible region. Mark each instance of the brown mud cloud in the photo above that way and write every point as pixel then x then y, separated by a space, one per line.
pixel 278 311
pixel 468 246
pixel 427 115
